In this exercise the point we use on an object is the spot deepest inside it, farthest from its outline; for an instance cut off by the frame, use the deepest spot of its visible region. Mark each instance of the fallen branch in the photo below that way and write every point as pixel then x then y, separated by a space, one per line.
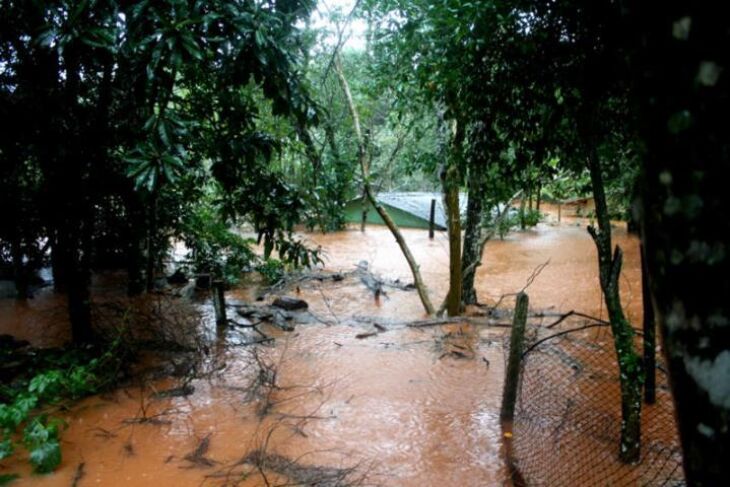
pixel 197 457
pixel 457 320
pixel 599 321
pixel 80 473
pixel 570 313
pixel 364 165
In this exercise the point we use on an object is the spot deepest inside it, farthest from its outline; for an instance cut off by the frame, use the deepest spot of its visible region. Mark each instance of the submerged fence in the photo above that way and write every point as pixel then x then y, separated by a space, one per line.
pixel 567 416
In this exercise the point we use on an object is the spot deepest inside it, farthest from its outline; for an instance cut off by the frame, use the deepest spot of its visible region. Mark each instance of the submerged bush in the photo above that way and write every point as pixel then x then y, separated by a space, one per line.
pixel 272 270
pixel 48 378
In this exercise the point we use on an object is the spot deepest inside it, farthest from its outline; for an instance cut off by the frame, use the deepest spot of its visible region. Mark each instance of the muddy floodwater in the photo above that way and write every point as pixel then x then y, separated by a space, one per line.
pixel 337 400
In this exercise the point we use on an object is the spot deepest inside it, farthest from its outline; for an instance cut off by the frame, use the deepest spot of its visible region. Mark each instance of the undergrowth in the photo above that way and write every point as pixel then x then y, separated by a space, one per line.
pixel 43 382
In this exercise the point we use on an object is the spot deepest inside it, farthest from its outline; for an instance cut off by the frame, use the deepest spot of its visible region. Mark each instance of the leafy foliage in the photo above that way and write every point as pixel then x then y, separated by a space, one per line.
pixel 272 270
pixel 52 376
pixel 214 248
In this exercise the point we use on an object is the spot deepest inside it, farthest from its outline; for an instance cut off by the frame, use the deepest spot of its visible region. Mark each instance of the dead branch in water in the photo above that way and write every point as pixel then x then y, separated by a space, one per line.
pixel 457 320
pixel 79 474
pixel 143 413
pixel 279 470
pixel 296 278
pixel 570 313
pixel 197 457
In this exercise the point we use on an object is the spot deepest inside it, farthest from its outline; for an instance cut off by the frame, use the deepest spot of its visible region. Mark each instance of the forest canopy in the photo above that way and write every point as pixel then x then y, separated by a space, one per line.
pixel 130 126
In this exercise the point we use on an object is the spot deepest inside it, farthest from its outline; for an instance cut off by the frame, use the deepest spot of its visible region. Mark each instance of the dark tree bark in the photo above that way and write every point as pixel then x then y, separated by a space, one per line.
pixel 20 273
pixel 453 218
pixel 649 334
pixel 472 234
pixel 151 250
pixel 609 267
pixel 77 221
pixel 682 70
pixel 523 223
pixel 135 236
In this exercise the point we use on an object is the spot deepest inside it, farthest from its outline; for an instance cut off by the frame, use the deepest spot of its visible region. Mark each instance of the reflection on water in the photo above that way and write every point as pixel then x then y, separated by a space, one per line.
pixel 397 405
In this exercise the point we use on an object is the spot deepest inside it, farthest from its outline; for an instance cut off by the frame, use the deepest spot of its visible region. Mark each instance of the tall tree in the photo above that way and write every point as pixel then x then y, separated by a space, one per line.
pixel 680 61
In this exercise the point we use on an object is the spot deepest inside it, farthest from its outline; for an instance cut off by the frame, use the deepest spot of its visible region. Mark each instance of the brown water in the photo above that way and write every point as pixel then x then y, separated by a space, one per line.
pixel 396 407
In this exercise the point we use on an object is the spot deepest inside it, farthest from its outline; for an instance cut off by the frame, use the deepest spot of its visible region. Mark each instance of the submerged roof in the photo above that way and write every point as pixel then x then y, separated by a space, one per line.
pixel 419 204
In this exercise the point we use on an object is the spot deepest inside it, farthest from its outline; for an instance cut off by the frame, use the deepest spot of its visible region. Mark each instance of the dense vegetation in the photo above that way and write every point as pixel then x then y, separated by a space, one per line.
pixel 136 123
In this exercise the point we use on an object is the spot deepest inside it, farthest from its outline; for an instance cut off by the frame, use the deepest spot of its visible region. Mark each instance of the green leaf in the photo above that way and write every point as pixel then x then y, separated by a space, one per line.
pixel 162 130
pixel 192 47
pixel 46 456
pixel 6 449
pixel 6 478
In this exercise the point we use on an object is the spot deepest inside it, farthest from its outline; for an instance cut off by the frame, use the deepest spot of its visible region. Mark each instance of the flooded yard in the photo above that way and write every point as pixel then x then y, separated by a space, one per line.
pixel 352 397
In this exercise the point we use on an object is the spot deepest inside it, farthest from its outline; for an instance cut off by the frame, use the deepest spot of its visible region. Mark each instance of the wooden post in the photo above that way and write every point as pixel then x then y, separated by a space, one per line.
pixel 432 219
pixel 219 302
pixel 560 207
pixel 516 342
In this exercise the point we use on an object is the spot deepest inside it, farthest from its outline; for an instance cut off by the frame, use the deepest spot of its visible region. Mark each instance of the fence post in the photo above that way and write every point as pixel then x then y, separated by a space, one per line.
pixel 432 219
pixel 516 342
pixel 219 302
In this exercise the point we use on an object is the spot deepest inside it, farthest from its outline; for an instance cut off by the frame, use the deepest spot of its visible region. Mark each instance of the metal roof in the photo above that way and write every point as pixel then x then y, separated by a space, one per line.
pixel 419 204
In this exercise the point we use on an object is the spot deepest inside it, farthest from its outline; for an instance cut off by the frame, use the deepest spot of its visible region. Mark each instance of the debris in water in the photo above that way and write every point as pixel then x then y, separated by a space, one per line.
pixel 80 472
pixel 197 458
pixel 290 304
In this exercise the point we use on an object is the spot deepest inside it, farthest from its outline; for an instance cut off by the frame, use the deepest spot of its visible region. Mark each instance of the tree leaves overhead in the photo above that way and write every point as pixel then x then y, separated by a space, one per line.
pixel 132 107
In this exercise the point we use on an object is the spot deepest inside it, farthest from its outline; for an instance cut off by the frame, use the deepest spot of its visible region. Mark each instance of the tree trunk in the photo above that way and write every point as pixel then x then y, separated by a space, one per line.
pixel 453 305
pixel 683 87
pixel 151 250
pixel 523 223
pixel 649 338
pixel 609 273
pixel 453 217
pixel 20 273
pixel 79 295
pixel 432 220
pixel 364 217
pixel 136 239
pixel 364 166
pixel 77 220
pixel 472 234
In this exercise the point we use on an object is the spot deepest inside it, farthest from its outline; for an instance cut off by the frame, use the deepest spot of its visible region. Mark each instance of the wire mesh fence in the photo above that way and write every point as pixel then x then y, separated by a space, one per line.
pixel 567 418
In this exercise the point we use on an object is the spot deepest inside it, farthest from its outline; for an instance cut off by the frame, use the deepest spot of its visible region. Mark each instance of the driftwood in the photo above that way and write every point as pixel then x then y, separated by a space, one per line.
pixel 197 457
pixel 278 317
pixel 297 473
pixel 288 303
pixel 377 283
pixel 79 474
pixel 457 320
pixel 182 391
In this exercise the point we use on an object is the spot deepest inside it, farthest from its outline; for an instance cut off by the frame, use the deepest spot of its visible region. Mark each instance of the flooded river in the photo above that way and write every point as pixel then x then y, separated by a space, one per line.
pixel 322 404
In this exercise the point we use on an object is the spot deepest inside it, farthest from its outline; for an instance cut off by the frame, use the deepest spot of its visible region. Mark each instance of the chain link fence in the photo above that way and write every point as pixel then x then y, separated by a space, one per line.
pixel 567 416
